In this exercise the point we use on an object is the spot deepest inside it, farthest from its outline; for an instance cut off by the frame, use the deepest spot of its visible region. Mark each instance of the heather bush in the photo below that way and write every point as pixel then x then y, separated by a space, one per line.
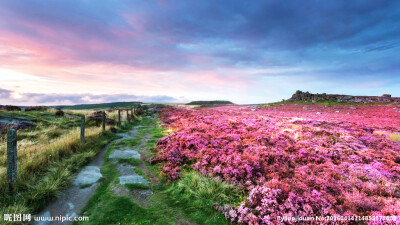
pixel 35 108
pixel 292 161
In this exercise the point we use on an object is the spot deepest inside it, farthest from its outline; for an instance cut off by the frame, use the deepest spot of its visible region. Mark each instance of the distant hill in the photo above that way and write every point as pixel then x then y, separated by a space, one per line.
pixel 101 105
pixel 216 102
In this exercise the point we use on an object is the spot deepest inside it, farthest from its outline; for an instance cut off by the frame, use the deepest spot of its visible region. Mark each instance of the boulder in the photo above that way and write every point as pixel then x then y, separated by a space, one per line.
pixel 97 117
pixel 59 113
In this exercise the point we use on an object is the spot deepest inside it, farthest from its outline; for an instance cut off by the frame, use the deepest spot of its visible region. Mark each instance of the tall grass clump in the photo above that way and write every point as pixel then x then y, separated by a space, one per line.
pixel 197 193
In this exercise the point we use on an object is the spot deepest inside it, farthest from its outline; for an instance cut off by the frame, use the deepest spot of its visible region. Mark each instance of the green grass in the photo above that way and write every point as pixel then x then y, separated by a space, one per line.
pixel 111 105
pixel 156 132
pixel 139 172
pixel 196 194
pixel 130 142
pixel 188 199
pixel 133 162
pixel 137 186
pixel 85 186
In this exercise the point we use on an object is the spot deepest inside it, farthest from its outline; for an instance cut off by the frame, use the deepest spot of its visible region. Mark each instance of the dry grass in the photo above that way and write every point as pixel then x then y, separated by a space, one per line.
pixel 46 143
pixel 82 112
pixel 395 137
pixel 112 115
pixel 32 157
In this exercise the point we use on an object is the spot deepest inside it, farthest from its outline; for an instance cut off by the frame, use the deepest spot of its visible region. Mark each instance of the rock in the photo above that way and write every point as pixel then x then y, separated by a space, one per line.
pixel 128 154
pixel 139 110
pixel 123 137
pixel 133 179
pixel 307 96
pixel 59 113
pixel 97 117
pixel 10 108
pixel 125 169
pixel 88 175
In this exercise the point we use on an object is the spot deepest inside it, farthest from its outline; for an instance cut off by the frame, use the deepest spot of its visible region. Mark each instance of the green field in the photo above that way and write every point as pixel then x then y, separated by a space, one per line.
pixel 111 105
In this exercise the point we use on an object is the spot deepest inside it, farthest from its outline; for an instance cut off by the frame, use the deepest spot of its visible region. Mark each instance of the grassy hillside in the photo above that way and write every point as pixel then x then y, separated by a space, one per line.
pixel 102 105
pixel 216 102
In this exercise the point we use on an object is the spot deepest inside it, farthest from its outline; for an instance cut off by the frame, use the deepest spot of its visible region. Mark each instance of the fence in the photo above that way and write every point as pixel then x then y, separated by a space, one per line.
pixel 12 143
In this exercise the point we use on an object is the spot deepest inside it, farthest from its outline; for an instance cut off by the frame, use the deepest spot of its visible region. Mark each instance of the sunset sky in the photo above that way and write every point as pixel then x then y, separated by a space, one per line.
pixel 87 51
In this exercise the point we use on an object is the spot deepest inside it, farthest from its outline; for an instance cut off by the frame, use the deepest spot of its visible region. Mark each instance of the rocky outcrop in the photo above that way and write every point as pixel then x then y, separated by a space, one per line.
pixel 59 113
pixel 307 96
pixel 10 108
pixel 97 117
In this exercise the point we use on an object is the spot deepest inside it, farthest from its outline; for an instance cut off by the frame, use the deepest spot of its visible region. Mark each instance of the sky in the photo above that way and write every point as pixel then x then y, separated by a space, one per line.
pixel 87 51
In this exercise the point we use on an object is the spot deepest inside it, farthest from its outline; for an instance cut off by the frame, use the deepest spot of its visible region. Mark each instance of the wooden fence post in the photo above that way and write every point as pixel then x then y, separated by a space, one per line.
pixel 119 118
pixel 83 129
pixel 127 115
pixel 12 156
pixel 104 120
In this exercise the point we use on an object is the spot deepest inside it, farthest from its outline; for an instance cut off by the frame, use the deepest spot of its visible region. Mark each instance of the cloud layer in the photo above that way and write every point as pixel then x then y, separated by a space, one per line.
pixel 249 52
pixel 69 99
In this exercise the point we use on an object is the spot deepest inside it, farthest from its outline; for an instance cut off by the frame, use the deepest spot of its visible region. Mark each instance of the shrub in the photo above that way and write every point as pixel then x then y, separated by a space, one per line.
pixel 292 161
pixel 35 108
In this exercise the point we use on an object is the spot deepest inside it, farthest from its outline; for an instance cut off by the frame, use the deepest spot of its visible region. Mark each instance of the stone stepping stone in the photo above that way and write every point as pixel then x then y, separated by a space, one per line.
pixel 125 170
pixel 123 137
pixel 127 154
pixel 88 175
pixel 133 179
pixel 124 148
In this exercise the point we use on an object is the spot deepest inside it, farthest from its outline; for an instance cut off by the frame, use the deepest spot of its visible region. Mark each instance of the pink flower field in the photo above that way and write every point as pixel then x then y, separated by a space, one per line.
pixel 292 160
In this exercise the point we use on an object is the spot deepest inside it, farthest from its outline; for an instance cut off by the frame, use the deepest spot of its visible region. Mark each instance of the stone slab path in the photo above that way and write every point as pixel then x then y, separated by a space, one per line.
pixel 84 185
pixel 73 199
pixel 130 183
pixel 125 154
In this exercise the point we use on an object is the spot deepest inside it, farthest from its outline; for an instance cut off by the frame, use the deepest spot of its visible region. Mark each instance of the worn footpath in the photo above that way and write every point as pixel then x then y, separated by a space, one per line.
pixel 118 174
